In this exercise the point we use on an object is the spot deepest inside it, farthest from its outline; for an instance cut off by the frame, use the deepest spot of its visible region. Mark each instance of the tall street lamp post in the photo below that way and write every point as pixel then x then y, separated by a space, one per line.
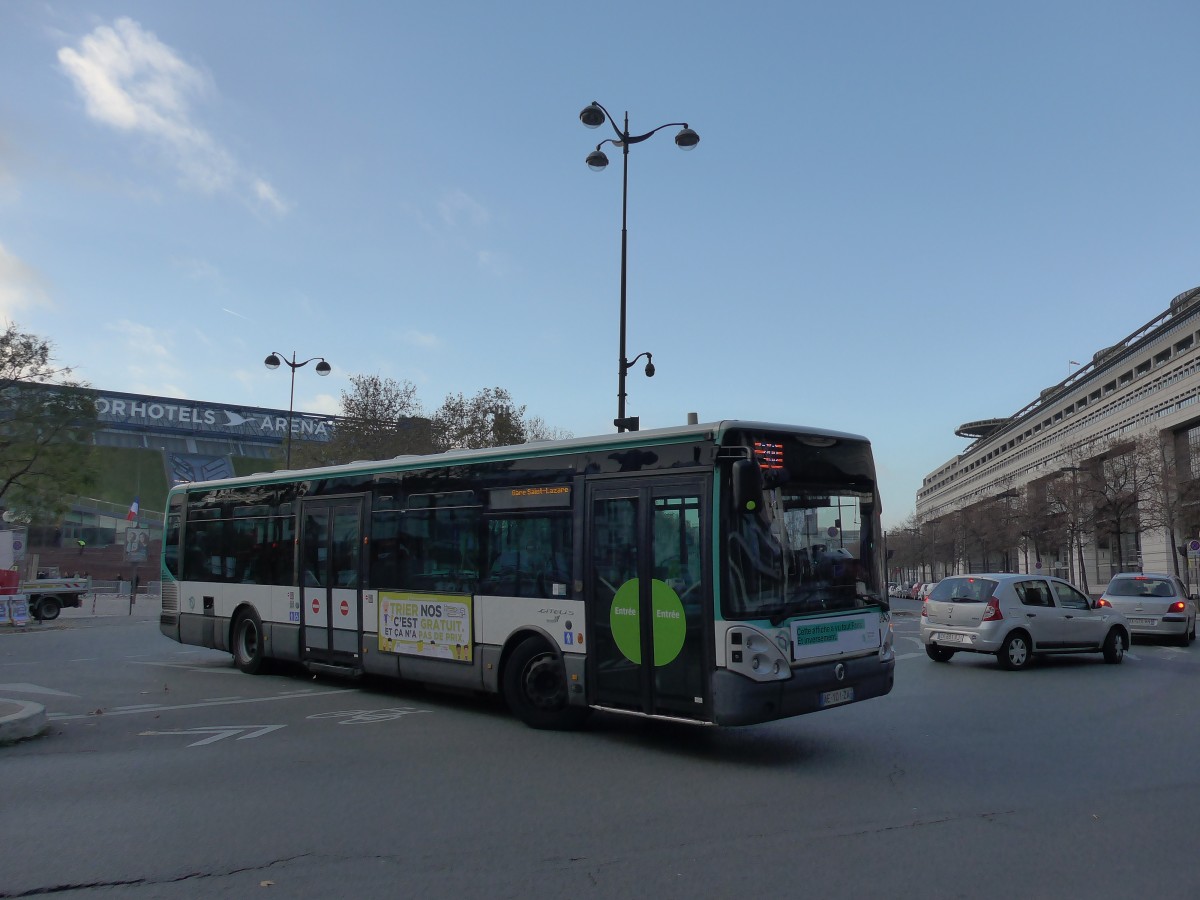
pixel 593 116
pixel 272 362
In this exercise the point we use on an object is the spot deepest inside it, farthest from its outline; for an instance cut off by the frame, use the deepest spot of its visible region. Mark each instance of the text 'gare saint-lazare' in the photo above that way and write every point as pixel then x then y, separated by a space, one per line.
pixel 217 418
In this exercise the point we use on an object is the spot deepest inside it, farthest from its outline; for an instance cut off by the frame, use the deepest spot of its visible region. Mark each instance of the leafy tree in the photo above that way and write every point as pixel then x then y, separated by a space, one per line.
pixel 47 420
pixel 489 419
pixel 382 418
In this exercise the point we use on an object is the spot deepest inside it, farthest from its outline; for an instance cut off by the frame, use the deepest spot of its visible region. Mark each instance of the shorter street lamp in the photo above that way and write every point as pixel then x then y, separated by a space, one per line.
pixel 272 362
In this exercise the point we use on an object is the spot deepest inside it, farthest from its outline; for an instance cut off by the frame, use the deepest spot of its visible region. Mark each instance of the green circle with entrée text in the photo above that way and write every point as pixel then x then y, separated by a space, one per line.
pixel 669 624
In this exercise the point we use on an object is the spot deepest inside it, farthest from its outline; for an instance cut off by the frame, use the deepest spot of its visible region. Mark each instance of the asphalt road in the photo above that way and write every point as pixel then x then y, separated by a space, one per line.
pixel 167 773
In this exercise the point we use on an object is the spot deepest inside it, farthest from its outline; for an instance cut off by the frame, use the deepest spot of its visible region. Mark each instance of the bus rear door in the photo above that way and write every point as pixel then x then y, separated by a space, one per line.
pixel 648 577
pixel 331 545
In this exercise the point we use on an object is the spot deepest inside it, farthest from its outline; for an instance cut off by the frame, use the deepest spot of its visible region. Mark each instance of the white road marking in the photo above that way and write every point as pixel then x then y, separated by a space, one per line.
pixel 220 732
pixel 201 705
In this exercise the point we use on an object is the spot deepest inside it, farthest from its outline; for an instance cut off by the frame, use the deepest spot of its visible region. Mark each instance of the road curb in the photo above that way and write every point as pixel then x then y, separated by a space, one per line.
pixel 21 720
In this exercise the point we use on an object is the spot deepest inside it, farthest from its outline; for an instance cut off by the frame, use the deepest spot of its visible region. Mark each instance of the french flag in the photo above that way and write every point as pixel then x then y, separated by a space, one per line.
pixel 133 511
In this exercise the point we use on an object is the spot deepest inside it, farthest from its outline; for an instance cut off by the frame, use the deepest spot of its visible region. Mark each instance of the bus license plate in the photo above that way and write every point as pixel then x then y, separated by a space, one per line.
pixel 833 698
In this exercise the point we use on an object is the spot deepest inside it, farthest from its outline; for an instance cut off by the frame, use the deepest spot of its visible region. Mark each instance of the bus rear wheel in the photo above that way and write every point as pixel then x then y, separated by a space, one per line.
pixel 535 687
pixel 248 650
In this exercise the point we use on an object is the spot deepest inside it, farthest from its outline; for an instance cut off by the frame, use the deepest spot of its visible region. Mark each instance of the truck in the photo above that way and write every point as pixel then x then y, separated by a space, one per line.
pixel 49 593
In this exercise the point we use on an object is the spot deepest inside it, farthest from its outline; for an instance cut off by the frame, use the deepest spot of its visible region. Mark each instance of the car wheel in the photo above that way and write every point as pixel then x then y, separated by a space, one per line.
pixel 1016 652
pixel 248 650
pixel 938 654
pixel 535 687
pixel 1114 647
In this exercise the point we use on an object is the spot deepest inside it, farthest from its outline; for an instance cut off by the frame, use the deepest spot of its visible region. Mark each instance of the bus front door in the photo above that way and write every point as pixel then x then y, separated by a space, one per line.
pixel 648 572
pixel 330 574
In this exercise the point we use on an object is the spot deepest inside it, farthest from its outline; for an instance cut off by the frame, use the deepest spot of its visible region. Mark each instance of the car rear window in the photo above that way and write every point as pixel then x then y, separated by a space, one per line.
pixel 963 590
pixel 1141 587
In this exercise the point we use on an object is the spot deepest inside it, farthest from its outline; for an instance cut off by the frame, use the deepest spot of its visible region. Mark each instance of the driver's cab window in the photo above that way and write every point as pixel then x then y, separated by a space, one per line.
pixel 1069 598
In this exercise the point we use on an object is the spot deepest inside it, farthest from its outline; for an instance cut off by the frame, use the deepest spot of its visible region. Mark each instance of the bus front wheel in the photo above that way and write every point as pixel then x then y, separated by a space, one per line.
pixel 535 687
pixel 248 650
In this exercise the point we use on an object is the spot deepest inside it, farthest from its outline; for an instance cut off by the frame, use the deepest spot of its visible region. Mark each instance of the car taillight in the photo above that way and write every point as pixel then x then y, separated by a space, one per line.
pixel 1103 602
pixel 992 613
pixel 924 608
pixel 1177 606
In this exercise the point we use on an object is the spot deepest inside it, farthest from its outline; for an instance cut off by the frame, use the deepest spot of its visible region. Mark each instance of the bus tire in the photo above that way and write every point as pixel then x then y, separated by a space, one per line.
pixel 535 687
pixel 48 608
pixel 248 650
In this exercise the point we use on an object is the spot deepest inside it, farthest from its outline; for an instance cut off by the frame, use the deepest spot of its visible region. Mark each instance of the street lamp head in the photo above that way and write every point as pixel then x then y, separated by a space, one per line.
pixel 592 115
pixel 596 160
pixel 323 368
pixel 649 366
pixel 686 139
pixel 271 362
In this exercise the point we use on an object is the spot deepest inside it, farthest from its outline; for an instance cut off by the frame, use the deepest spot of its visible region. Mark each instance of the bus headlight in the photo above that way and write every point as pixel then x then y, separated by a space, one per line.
pixel 887 640
pixel 751 653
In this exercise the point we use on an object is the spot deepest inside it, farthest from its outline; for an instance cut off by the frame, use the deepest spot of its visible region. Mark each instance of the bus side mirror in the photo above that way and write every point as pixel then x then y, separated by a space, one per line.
pixel 747 486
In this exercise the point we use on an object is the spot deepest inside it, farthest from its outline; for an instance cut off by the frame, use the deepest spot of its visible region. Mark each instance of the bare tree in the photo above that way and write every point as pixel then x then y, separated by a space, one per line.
pixel 1172 500
pixel 1070 500
pixel 1116 486
pixel 1036 522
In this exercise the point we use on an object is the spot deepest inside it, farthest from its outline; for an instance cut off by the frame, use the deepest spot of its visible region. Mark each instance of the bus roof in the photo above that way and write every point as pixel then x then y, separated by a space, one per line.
pixel 714 432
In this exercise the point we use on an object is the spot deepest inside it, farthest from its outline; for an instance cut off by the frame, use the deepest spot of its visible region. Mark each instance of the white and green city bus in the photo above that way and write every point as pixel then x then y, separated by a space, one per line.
pixel 726 573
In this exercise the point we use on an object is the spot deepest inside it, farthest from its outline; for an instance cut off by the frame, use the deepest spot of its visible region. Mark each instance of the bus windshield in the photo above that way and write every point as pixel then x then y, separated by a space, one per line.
pixel 808 548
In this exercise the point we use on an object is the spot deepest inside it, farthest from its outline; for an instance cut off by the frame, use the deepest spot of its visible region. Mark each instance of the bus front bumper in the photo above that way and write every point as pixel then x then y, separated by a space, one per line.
pixel 739 701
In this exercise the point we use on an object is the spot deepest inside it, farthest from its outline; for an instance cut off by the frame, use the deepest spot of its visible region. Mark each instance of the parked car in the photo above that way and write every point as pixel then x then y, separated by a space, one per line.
pixel 913 590
pixel 1018 617
pixel 925 589
pixel 1155 604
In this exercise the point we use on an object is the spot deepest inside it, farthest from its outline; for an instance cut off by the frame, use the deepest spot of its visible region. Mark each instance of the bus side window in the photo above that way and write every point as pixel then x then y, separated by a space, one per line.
pixel 527 556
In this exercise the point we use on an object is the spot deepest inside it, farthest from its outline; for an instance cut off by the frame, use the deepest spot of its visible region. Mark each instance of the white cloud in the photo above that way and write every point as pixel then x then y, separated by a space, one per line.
pixel 132 82
pixel 151 362
pixel 270 198
pixel 321 403
pixel 458 206
pixel 421 339
pixel 20 286
pixel 495 263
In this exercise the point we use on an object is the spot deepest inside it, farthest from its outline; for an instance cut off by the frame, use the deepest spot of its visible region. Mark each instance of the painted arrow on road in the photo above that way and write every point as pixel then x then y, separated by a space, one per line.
pixel 219 732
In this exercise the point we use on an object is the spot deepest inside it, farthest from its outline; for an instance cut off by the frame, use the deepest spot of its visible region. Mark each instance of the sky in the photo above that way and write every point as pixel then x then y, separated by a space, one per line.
pixel 900 217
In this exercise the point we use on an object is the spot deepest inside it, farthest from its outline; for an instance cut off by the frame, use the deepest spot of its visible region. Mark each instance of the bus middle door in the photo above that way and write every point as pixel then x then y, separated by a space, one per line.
pixel 331 532
pixel 648 588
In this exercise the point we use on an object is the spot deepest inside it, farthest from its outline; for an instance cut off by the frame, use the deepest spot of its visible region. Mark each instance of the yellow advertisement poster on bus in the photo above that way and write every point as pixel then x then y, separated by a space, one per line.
pixel 431 625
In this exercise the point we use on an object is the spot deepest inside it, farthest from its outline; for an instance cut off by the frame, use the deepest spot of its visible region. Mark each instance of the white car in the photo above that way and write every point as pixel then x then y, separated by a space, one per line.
pixel 1016 617
pixel 1156 605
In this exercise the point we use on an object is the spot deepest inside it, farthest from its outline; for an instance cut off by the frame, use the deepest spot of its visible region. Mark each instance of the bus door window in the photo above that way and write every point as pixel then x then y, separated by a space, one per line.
pixel 344 561
pixel 316 548
pixel 676 543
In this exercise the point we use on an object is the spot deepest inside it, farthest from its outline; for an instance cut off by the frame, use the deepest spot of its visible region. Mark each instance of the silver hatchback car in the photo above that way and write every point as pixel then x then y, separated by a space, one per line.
pixel 1016 617
pixel 1154 604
